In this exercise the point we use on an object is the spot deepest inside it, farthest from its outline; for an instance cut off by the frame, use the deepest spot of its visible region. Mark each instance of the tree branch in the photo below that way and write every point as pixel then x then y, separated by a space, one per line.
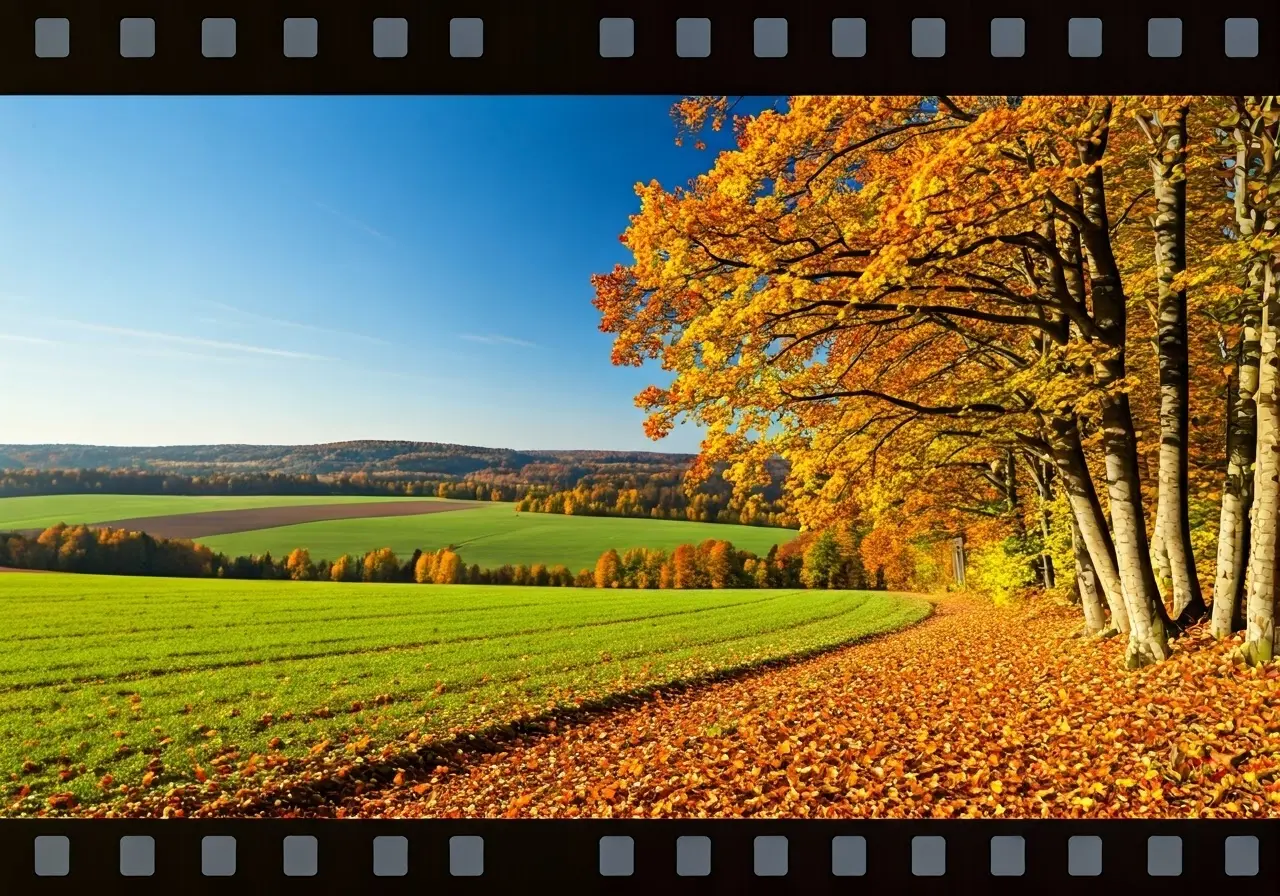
pixel 956 410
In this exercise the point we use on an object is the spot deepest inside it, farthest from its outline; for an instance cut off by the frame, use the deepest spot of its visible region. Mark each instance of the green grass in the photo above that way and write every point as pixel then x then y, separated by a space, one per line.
pixel 493 534
pixel 41 511
pixel 488 534
pixel 101 673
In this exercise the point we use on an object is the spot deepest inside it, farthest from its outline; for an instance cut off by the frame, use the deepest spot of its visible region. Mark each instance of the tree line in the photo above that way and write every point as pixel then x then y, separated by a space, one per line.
pixel 827 560
pixel 16 483
pixel 659 497
pixel 1047 326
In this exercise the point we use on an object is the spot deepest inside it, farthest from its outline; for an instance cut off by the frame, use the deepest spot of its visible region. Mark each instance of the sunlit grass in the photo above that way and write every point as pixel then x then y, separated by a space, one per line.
pixel 490 535
pixel 102 675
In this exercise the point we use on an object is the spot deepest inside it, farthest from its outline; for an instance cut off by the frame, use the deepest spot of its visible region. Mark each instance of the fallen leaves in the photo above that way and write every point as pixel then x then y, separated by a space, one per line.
pixel 1005 722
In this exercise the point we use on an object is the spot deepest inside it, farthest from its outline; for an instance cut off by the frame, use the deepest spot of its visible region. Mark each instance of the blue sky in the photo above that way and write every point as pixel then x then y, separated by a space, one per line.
pixel 312 269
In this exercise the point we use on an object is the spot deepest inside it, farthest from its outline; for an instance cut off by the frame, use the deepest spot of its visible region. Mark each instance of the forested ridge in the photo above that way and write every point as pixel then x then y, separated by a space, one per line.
pixel 406 459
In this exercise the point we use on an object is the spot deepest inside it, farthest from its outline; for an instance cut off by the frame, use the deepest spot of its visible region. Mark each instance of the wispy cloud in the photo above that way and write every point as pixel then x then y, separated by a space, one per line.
pixel 191 340
pixel 408 375
pixel 490 339
pixel 33 340
pixel 291 324
pixel 354 222
pixel 184 355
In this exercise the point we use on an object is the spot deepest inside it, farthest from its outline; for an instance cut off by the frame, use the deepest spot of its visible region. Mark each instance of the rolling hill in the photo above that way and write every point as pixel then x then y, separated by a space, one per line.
pixel 385 457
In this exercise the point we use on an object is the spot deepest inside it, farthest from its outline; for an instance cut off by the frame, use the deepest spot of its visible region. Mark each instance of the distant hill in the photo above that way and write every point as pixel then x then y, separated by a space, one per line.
pixel 382 458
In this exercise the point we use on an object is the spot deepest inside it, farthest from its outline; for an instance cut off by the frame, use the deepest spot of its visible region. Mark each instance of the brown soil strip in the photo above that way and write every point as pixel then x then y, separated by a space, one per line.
pixel 4 569
pixel 226 522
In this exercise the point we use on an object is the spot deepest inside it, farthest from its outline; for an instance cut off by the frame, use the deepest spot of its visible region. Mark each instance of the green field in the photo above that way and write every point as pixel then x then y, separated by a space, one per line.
pixel 41 511
pixel 487 534
pixel 102 673
pixel 493 534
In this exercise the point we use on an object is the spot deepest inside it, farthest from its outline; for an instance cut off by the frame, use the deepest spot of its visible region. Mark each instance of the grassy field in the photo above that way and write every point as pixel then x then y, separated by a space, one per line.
pixel 488 534
pixel 493 534
pixel 103 676
pixel 48 510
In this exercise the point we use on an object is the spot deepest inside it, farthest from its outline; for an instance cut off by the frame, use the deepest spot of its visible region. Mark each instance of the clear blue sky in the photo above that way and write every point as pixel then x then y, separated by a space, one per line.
pixel 311 269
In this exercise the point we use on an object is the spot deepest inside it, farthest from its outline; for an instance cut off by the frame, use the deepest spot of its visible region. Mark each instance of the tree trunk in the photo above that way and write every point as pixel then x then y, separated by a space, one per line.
pixel 1148 634
pixel 1011 482
pixel 958 561
pixel 1160 556
pixel 1148 638
pixel 1260 628
pixel 1048 575
pixel 1234 529
pixel 1237 493
pixel 1042 474
pixel 1087 584
pixel 1169 182
pixel 1086 511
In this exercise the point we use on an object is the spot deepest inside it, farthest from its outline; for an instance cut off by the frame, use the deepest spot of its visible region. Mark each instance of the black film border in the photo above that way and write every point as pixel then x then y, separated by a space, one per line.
pixel 55 856
pixel 633 47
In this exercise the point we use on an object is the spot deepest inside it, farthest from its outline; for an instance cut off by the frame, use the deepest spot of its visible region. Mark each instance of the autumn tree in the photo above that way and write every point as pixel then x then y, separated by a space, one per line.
pixel 667 575
pixel 424 571
pixel 539 576
pixel 720 565
pixel 380 565
pixel 345 569
pixel 608 570
pixel 631 568
pixel 821 562
pixel 761 574
pixel 299 565
pixel 684 567
pixel 448 570
pixel 956 274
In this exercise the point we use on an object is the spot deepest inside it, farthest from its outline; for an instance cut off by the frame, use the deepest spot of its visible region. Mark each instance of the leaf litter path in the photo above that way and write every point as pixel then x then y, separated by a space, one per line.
pixel 976 712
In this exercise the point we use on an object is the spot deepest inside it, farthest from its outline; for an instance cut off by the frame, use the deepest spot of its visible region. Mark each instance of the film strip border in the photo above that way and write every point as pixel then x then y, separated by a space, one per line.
pixel 729 855
pixel 632 46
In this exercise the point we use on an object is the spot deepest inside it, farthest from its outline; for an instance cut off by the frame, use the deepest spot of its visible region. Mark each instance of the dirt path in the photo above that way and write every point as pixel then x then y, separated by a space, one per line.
pixel 975 712
pixel 224 522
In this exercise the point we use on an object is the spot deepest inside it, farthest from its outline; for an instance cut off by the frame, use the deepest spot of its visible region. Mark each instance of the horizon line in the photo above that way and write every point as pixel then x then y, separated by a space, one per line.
pixel 338 442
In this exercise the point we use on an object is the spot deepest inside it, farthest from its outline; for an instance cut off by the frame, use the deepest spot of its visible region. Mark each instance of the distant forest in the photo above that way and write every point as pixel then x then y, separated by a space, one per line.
pixel 407 460
pixel 592 483
pixel 827 561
